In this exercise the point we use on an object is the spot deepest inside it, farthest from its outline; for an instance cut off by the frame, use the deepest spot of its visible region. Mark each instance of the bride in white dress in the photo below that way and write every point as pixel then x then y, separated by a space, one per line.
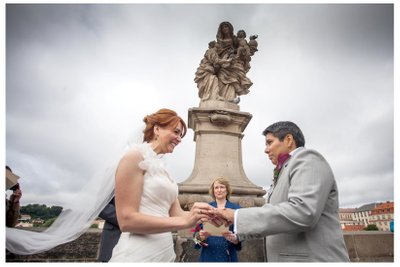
pixel 158 194
pixel 146 197
pixel 146 201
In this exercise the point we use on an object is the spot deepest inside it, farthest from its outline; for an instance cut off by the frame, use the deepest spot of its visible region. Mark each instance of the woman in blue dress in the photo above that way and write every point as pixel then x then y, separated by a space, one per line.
pixel 219 248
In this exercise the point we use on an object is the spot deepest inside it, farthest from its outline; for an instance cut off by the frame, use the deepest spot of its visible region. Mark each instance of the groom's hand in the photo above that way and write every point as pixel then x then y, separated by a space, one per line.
pixel 216 220
pixel 223 216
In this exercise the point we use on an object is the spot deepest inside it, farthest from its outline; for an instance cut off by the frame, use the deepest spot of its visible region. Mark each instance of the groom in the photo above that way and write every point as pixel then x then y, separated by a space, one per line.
pixel 300 220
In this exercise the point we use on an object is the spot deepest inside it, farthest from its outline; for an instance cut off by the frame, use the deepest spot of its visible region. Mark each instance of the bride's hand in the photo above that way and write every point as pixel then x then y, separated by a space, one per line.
pixel 199 213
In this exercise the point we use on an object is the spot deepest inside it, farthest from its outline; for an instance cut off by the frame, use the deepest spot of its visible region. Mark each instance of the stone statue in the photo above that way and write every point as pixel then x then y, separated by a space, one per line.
pixel 221 74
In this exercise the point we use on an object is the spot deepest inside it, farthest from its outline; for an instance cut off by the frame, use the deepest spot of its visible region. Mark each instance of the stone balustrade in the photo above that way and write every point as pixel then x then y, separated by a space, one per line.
pixel 363 246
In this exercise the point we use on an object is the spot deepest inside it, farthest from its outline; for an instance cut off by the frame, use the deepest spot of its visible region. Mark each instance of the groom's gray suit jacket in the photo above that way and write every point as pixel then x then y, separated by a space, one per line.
pixel 300 220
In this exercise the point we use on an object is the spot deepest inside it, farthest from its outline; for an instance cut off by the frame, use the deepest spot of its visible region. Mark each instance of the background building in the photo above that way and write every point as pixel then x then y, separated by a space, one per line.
pixel 382 214
pixel 363 213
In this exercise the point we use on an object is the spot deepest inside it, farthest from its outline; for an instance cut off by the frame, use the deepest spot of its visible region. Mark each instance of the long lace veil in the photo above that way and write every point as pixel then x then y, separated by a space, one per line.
pixel 78 215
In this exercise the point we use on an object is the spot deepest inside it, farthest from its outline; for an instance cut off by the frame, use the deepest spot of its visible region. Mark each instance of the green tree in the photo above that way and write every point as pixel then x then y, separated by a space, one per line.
pixel 41 211
pixel 49 222
pixel 95 225
pixel 371 227
pixel 55 211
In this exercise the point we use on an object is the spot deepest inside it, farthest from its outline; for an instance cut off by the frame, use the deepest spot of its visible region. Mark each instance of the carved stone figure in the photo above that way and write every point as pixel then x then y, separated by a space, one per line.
pixel 221 74
pixel 243 51
pixel 206 74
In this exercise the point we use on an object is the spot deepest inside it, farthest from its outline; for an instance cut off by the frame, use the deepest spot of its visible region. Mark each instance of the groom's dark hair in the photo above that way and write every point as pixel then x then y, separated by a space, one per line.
pixel 282 128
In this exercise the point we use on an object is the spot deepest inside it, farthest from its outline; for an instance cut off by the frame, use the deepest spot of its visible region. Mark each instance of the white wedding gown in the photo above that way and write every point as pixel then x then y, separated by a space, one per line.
pixel 159 193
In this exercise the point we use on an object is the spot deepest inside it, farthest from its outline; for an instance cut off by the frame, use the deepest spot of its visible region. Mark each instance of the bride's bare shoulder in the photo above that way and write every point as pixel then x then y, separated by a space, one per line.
pixel 133 154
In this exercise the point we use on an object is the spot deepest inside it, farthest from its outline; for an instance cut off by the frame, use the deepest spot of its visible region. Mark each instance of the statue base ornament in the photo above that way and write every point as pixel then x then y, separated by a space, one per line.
pixel 218 131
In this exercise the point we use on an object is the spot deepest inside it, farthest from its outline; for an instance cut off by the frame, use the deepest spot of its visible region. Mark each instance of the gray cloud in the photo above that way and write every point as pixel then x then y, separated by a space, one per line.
pixel 80 78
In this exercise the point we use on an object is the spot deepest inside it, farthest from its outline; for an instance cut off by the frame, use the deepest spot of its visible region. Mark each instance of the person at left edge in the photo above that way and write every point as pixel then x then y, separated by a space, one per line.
pixel 12 204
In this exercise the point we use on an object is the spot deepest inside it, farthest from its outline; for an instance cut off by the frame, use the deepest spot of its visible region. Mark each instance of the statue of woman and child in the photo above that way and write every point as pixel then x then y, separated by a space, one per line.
pixel 222 72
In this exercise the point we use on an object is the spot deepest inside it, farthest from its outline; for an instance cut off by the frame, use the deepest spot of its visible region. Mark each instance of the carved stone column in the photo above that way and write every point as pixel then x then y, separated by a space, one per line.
pixel 218 131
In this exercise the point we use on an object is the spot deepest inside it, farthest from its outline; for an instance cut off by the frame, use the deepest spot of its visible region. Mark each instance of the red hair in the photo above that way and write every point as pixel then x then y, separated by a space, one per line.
pixel 164 118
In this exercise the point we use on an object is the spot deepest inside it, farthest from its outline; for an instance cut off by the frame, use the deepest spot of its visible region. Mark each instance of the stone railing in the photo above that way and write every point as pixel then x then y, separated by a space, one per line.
pixel 362 246
pixel 83 249
pixel 370 246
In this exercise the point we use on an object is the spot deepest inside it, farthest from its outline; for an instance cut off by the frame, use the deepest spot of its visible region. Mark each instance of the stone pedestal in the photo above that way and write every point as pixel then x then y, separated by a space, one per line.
pixel 218 131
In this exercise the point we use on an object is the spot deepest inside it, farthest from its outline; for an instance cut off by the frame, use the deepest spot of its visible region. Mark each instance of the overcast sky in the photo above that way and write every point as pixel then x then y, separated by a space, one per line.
pixel 80 78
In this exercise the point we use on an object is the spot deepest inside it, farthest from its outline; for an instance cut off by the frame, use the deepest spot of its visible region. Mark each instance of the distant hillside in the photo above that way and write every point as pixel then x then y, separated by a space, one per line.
pixel 41 211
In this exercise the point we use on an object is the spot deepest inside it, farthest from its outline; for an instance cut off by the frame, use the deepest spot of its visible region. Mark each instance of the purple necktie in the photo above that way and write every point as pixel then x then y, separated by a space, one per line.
pixel 281 160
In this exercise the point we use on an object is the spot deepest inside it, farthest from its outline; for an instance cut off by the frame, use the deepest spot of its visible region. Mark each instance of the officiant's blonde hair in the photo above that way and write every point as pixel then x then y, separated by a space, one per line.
pixel 224 181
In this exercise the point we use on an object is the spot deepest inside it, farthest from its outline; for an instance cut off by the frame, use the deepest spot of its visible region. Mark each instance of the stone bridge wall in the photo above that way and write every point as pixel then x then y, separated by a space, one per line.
pixel 362 246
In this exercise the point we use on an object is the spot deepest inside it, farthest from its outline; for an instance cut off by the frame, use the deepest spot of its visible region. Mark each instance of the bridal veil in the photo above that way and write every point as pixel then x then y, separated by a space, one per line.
pixel 76 216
